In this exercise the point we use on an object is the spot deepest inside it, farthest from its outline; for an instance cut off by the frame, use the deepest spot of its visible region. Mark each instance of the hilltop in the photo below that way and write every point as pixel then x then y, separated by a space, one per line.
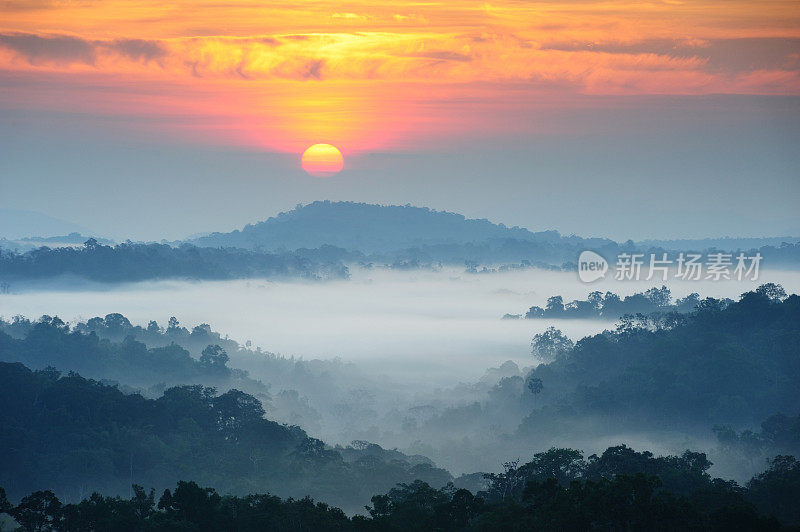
pixel 368 228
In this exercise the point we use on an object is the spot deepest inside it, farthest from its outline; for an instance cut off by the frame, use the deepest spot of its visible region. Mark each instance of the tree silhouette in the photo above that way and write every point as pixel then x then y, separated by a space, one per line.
pixel 551 344
pixel 214 358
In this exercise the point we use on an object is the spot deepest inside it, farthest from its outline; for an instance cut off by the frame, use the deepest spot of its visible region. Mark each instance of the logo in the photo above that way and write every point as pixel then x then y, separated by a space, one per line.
pixel 591 266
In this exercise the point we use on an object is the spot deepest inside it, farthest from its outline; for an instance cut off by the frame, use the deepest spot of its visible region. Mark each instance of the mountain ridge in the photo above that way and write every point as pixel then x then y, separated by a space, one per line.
pixel 373 228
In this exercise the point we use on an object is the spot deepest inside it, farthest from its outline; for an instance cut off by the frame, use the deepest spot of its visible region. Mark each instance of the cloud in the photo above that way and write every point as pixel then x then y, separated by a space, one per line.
pixel 754 54
pixel 610 66
pixel 350 16
pixel 61 49
pixel 444 56
pixel 313 69
pixel 67 49
pixel 139 49
pixel 732 55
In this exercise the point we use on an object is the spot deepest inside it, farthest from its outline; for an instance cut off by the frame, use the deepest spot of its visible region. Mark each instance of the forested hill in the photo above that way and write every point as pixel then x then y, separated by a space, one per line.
pixel 372 229
pixel 129 262
pixel 724 364
pixel 65 436
pixel 70 434
pixel 317 241
pixel 412 236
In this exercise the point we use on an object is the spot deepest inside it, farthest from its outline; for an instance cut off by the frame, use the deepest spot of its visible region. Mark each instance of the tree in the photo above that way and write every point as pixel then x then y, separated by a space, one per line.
pixel 507 483
pixel 117 323
pixel 143 502
pixel 191 503
pixel 688 303
pixel 774 292
pixel 595 299
pixel 563 465
pixel 38 511
pixel 555 306
pixel 660 297
pixel 5 506
pixel 214 358
pixel 464 507
pixel 550 345
pixel 534 312
pixel 235 411
pixel 534 385
pixel 612 305
pixel 777 489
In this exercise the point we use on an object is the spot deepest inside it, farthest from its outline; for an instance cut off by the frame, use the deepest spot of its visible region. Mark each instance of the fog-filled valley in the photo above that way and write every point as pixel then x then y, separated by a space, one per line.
pixel 432 328
pixel 318 372
pixel 386 356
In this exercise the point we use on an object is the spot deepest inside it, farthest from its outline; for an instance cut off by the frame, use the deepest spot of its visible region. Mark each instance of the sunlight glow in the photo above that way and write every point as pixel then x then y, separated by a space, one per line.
pixel 379 75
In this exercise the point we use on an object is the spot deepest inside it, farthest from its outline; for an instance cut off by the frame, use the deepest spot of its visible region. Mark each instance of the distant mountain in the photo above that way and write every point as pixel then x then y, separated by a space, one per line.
pixel 23 245
pixel 372 229
pixel 724 243
pixel 16 224
pixel 410 237
pixel 72 239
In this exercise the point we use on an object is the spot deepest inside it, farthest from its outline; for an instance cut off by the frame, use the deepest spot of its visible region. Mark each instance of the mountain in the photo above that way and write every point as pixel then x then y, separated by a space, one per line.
pixel 16 224
pixel 369 228
pixel 410 237
pixel 26 244
pixel 726 243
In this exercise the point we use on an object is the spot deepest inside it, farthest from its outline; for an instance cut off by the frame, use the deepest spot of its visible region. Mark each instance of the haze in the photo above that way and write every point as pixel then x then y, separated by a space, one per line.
pixel 424 329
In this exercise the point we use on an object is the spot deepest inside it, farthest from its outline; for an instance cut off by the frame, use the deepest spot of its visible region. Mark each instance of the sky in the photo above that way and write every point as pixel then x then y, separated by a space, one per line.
pixel 150 120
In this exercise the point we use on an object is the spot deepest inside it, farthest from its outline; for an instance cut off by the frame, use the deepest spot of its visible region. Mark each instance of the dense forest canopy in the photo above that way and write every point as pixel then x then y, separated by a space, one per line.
pixel 75 435
pixel 138 262
pixel 368 228
pixel 727 374
pixel 723 363
pixel 51 342
pixel 610 306
pixel 557 490
pixel 148 359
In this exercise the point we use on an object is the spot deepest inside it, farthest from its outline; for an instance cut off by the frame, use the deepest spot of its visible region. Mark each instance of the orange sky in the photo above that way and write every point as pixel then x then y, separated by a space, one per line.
pixel 379 75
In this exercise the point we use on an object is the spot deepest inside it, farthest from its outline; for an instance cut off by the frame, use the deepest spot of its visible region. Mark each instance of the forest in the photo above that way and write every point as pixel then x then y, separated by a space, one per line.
pixel 714 374
pixel 323 239
pixel 610 306
pixel 559 489
pixel 128 262
pixel 724 363
pixel 163 404
pixel 76 435
pixel 107 440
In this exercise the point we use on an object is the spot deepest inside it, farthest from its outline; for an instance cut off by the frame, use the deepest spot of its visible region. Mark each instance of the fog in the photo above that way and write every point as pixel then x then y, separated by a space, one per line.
pixel 410 350
pixel 422 328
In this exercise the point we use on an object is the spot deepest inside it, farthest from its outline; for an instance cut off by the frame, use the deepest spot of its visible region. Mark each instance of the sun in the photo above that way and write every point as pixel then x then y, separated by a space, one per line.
pixel 322 160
